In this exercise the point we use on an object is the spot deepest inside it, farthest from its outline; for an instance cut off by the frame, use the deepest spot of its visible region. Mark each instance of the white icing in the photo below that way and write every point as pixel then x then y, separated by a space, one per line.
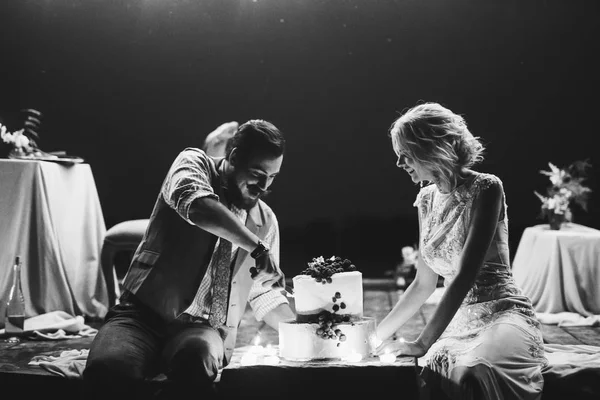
pixel 300 342
pixel 312 297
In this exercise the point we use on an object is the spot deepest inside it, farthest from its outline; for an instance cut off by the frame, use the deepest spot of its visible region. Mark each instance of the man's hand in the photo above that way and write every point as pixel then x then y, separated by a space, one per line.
pixel 215 142
pixel 267 271
pixel 400 347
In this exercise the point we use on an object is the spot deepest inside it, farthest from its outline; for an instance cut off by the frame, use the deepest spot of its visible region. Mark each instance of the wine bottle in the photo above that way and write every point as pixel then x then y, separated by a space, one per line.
pixel 14 322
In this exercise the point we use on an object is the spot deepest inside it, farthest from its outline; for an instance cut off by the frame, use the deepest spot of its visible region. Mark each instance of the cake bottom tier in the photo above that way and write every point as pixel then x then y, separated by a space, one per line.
pixel 300 342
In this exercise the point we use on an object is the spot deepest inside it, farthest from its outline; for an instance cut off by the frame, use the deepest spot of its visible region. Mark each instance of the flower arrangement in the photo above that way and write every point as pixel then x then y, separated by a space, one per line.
pixel 23 141
pixel 16 139
pixel 566 188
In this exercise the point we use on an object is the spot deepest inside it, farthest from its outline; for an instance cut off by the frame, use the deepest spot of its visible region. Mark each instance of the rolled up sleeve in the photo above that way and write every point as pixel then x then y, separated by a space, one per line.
pixel 189 178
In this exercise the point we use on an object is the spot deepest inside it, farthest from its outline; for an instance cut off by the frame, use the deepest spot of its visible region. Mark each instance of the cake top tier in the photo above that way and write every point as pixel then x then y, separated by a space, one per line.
pixel 322 268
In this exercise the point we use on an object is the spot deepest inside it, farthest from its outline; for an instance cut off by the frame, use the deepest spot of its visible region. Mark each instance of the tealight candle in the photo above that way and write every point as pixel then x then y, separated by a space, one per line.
pixel 256 348
pixel 249 359
pixel 271 360
pixel 353 357
pixel 270 350
pixel 387 358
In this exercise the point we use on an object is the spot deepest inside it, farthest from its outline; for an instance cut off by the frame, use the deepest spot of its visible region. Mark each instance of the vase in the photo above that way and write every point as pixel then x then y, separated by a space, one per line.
pixel 556 220
pixel 17 152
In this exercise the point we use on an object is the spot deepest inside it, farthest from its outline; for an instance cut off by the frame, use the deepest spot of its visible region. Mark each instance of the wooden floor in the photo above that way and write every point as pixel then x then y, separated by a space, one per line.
pixel 379 297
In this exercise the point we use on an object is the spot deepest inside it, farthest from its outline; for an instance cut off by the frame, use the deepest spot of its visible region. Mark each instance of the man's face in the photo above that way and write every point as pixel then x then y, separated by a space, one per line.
pixel 249 183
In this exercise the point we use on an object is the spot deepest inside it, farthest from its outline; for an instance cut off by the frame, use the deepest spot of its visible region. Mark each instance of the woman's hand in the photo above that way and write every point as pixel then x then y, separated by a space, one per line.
pixel 401 347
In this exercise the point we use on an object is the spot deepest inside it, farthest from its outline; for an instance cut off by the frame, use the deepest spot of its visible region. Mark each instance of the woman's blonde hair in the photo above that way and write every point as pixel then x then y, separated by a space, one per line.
pixel 437 139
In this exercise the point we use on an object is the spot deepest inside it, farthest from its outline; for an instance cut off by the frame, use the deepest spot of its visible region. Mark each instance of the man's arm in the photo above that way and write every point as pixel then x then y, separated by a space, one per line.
pixel 188 191
pixel 270 304
pixel 212 216
pixel 281 313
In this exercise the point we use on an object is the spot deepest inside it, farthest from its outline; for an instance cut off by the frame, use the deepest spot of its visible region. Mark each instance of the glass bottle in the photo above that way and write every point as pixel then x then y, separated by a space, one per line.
pixel 15 306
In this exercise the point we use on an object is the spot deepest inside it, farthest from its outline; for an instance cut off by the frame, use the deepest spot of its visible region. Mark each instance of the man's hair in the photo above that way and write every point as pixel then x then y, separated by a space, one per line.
pixel 438 139
pixel 256 138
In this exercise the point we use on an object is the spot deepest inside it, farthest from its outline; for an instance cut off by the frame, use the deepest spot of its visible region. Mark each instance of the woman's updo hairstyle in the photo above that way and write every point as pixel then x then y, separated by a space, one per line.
pixel 438 139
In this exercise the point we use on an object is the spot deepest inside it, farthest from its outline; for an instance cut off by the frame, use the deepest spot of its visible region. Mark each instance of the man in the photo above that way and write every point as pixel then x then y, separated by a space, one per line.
pixel 212 246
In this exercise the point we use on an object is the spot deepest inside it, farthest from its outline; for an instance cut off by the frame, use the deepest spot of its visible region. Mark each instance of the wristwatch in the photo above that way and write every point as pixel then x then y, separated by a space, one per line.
pixel 260 249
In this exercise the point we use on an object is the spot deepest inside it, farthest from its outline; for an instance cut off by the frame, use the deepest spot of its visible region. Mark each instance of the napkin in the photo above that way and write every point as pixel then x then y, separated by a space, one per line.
pixel 57 325
pixel 69 364
pixel 568 319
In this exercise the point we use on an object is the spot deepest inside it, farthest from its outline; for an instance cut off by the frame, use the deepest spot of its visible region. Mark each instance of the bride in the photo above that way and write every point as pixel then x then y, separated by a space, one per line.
pixel 483 340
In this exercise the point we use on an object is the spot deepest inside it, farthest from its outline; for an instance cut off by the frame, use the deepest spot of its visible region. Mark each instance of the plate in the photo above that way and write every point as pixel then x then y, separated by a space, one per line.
pixel 63 159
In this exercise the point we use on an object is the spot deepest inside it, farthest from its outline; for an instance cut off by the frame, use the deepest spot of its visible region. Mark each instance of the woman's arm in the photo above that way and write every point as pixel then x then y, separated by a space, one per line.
pixel 486 212
pixel 410 302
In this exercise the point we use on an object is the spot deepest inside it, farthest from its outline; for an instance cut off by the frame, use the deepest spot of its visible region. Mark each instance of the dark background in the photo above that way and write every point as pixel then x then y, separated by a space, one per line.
pixel 128 84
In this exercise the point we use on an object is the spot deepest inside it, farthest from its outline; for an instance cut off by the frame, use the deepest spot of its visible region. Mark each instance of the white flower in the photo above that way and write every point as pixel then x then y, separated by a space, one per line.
pixel 17 139
pixel 556 174
pixel 21 140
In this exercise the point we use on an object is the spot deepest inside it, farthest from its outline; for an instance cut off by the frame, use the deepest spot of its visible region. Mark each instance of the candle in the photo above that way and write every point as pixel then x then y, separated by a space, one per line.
pixel 256 348
pixel 270 350
pixel 249 359
pixel 353 357
pixel 387 358
pixel 271 360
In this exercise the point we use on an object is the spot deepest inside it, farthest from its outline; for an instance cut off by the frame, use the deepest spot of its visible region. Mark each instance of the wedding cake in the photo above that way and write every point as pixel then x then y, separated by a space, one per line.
pixel 329 322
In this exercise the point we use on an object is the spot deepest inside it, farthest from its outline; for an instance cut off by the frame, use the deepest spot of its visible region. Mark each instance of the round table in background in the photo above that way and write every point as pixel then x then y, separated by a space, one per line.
pixel 559 270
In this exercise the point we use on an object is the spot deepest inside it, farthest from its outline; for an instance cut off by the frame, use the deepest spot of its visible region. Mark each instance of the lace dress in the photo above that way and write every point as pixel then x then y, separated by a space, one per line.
pixel 494 339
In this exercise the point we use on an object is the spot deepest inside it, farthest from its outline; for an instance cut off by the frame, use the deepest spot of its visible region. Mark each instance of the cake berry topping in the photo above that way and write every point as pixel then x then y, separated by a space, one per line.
pixel 322 269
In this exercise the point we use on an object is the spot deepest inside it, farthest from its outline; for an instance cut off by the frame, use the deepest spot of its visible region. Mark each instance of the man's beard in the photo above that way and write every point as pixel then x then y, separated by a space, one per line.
pixel 235 197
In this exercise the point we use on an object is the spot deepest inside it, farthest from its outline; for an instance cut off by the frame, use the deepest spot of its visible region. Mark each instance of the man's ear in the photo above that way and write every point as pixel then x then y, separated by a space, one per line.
pixel 233 157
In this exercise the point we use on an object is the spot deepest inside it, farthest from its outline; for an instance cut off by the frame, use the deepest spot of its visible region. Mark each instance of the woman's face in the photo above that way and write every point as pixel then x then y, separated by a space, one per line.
pixel 417 172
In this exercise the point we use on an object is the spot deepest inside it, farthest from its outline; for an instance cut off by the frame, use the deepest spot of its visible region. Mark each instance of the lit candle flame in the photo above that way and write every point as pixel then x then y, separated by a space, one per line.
pixel 353 357
pixel 271 360
pixel 270 350
pixel 249 359
pixel 387 357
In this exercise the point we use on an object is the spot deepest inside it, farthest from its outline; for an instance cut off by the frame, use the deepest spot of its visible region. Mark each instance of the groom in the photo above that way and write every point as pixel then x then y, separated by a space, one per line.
pixel 211 247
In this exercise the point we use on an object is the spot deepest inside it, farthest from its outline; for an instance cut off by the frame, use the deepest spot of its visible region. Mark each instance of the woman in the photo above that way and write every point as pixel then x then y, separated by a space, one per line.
pixel 483 340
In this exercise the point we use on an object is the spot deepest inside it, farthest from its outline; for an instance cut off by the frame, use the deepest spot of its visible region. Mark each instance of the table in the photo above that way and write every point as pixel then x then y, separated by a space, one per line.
pixel 366 379
pixel 50 215
pixel 559 270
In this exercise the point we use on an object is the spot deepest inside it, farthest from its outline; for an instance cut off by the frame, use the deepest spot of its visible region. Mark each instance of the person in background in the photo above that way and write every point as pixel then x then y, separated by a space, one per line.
pixel 211 247
pixel 216 141
pixel 483 340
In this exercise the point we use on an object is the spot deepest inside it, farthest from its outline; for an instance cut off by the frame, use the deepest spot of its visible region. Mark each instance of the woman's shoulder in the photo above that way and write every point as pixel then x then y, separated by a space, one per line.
pixel 486 182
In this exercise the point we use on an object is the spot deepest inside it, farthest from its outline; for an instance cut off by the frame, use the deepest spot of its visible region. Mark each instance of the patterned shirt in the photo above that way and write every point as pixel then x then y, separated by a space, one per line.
pixel 191 181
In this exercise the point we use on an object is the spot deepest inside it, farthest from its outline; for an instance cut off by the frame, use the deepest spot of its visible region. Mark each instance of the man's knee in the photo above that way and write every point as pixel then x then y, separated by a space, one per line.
pixel 100 367
pixel 196 360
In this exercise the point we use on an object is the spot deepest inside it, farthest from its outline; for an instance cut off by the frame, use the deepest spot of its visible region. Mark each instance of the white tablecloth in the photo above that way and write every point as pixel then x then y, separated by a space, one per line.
pixel 559 270
pixel 50 216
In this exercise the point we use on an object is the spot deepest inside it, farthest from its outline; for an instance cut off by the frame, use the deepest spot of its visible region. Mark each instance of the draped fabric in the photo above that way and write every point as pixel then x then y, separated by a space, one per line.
pixel 493 346
pixel 50 215
pixel 559 270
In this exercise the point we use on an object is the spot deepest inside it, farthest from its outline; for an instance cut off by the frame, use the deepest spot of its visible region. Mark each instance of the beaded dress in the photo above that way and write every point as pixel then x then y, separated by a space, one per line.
pixel 494 338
